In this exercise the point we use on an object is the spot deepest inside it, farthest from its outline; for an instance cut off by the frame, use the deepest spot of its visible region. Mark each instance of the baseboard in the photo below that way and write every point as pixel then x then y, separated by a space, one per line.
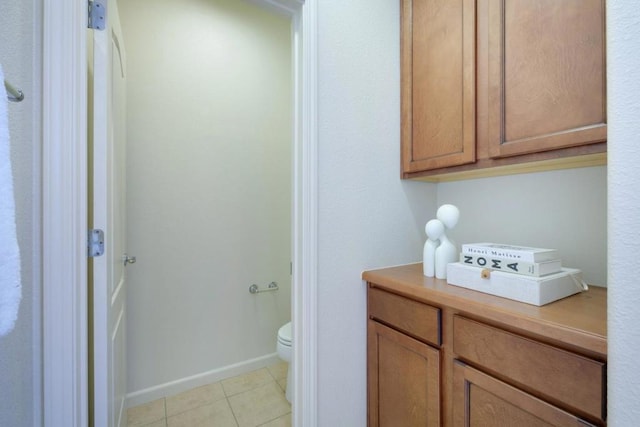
pixel 178 386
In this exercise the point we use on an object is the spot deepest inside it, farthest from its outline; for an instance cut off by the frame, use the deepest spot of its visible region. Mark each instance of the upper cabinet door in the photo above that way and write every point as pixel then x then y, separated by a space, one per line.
pixel 545 74
pixel 438 83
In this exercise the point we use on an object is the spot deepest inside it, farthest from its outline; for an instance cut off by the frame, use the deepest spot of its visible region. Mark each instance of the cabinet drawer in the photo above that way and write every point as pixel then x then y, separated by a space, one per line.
pixel 565 378
pixel 414 318
pixel 482 400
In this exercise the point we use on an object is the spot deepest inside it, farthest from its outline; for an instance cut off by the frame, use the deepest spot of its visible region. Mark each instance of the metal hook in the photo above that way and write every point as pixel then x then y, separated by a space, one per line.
pixel 13 94
pixel 128 259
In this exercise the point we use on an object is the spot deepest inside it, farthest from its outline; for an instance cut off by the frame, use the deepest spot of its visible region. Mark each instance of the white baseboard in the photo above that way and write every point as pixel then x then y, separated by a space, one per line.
pixel 178 386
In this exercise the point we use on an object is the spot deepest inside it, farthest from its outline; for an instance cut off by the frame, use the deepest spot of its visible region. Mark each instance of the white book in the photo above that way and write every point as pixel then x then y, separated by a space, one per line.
pixel 531 290
pixel 520 253
pixel 535 269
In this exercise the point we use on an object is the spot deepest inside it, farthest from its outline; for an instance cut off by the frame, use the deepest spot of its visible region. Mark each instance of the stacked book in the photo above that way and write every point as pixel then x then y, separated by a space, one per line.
pixel 513 259
pixel 531 275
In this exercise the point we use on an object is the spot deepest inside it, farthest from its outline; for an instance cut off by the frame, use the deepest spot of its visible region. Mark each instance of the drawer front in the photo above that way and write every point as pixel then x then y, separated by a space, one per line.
pixel 414 318
pixel 566 378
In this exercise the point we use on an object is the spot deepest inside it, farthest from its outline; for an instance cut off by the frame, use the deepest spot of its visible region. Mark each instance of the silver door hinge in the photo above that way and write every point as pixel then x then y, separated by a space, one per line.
pixel 96 243
pixel 97 14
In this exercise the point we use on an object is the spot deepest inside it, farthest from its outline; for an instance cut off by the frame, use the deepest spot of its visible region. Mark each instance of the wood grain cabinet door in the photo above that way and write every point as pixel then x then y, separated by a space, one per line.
pixel 481 400
pixel 404 380
pixel 438 83
pixel 542 63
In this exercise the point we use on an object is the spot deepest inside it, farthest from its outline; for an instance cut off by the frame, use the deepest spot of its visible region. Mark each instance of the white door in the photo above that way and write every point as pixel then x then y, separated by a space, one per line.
pixel 108 214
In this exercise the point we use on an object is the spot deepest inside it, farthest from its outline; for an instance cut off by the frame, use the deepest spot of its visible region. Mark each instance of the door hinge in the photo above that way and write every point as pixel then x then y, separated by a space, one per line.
pixel 97 14
pixel 96 243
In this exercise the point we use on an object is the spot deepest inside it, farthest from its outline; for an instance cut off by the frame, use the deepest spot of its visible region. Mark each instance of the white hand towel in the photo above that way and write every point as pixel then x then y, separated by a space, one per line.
pixel 10 286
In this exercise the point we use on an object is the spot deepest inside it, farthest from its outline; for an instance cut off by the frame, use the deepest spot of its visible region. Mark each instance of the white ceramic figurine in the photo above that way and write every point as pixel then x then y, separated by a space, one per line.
pixel 434 229
pixel 446 252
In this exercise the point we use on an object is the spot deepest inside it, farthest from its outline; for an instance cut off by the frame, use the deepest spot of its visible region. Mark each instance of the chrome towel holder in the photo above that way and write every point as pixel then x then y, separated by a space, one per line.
pixel 254 289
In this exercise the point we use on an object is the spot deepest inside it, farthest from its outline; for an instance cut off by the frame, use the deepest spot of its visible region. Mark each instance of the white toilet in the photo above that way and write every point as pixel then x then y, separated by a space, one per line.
pixel 284 351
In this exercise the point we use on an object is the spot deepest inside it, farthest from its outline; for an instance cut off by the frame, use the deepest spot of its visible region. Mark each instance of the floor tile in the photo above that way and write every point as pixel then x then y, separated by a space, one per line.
pixel 278 370
pixel 246 382
pixel 159 423
pixel 260 405
pixel 284 421
pixel 193 398
pixel 249 400
pixel 216 414
pixel 146 414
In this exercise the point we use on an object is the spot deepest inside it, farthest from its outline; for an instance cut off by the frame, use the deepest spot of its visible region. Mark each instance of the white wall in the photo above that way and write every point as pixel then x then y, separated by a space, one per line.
pixel 564 210
pixel 368 217
pixel 209 185
pixel 623 63
pixel 20 350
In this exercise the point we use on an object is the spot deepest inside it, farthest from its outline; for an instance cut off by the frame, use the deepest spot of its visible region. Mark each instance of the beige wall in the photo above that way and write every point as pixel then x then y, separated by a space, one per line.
pixel 208 185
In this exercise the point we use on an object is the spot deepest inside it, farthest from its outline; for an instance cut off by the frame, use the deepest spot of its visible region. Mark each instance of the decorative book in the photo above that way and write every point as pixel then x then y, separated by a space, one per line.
pixel 510 265
pixel 531 290
pixel 519 253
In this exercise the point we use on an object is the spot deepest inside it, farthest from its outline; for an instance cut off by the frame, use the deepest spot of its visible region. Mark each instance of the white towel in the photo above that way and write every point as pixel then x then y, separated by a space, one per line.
pixel 10 287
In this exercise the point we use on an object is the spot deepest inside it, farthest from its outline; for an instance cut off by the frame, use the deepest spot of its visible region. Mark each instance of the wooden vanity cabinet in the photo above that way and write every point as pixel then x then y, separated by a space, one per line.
pixel 403 364
pixel 440 355
pixel 482 400
pixel 562 377
pixel 404 379
pixel 500 86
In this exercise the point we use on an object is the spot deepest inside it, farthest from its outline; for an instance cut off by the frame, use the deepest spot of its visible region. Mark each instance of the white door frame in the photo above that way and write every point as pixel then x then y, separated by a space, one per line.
pixel 64 211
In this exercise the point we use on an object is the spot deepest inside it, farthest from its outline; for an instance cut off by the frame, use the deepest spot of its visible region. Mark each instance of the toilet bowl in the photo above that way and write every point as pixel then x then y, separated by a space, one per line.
pixel 284 351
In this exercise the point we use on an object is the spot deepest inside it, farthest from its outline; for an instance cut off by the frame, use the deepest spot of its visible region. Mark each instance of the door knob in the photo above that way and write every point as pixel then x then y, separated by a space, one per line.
pixel 128 259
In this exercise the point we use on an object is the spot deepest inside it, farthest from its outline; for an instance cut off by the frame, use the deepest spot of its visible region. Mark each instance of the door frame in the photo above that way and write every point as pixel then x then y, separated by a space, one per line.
pixel 64 210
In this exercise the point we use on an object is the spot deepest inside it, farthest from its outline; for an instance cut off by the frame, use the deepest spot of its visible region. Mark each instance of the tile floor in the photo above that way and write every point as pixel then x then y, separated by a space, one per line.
pixel 250 400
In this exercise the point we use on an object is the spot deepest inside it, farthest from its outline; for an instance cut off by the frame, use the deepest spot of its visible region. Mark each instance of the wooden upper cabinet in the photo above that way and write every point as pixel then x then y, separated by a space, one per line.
pixel 502 86
pixel 438 83
pixel 545 74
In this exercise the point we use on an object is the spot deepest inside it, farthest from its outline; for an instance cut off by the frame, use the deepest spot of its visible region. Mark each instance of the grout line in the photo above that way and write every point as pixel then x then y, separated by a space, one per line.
pixel 166 421
pixel 233 412
pixel 276 418
pixel 227 397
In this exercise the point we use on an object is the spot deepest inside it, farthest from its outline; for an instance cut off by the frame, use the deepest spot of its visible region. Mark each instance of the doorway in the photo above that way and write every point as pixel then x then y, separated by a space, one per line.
pixel 64 210
pixel 209 189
